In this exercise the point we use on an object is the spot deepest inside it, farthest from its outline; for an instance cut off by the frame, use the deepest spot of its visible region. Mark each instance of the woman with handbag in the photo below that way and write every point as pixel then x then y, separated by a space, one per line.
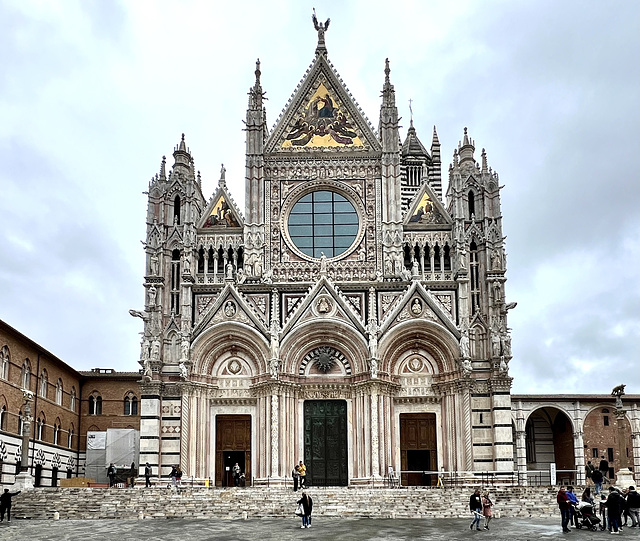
pixel 305 506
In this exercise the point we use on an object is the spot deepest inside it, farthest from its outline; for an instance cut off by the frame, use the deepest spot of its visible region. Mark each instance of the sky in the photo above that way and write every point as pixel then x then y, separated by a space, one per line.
pixel 93 93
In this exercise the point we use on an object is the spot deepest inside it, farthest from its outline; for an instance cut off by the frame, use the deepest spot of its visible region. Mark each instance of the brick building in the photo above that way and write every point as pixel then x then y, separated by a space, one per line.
pixel 66 405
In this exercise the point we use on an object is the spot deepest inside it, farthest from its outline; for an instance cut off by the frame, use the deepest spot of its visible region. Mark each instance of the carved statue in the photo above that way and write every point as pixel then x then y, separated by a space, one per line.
pixel 267 276
pixel 374 367
pixel 144 350
pixel 464 344
pixel 155 350
pixel 184 350
pixel 147 373
pixel 141 314
pixel 414 268
pixel 152 294
pixel 503 365
pixel 320 27
pixel 154 265
pixel 373 340
pixel 618 392
pixel 229 275
pixel 466 367
pixel 506 344
pixel 323 263
pixel 274 365
pixel 184 371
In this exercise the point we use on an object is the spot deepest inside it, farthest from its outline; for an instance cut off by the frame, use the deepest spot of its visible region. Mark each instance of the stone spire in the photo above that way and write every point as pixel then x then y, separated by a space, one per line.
pixel 466 149
pixel 163 169
pixel 182 158
pixel 435 171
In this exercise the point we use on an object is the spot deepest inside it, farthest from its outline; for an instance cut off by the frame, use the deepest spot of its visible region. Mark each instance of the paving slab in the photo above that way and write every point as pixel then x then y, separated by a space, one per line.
pixel 322 529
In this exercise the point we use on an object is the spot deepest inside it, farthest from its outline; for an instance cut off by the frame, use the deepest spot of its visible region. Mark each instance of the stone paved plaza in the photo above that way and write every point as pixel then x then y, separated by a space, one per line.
pixel 323 528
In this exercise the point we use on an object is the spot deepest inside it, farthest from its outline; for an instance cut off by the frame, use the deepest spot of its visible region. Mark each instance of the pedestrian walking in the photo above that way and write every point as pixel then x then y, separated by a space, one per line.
pixel 5 503
pixel 475 506
pixel 604 515
pixel 597 479
pixel 487 504
pixel 573 503
pixel 133 473
pixel 604 468
pixel 173 475
pixel 111 474
pixel 307 508
pixel 147 475
pixel 615 505
pixel 565 511
pixel 633 501
pixel 588 472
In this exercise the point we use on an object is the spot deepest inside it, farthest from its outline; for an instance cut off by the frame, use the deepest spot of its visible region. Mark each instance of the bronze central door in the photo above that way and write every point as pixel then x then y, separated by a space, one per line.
pixel 325 442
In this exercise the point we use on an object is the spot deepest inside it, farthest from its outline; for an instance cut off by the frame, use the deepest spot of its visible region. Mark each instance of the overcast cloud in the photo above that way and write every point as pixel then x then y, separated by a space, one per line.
pixel 93 93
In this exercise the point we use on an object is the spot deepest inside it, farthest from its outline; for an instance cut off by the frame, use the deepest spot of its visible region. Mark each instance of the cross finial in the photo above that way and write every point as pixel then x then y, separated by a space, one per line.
pixel 411 110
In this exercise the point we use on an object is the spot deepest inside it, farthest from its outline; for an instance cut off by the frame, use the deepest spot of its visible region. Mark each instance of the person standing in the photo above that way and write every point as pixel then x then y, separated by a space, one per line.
pixel 133 473
pixel 173 475
pixel 475 506
pixel 147 475
pixel 5 503
pixel 111 474
pixel 564 505
pixel 588 472
pixel 573 502
pixel 302 470
pixel 604 517
pixel 295 474
pixel 307 507
pixel 236 474
pixel 615 505
pixel 633 501
pixel 597 479
pixel 487 504
pixel 604 468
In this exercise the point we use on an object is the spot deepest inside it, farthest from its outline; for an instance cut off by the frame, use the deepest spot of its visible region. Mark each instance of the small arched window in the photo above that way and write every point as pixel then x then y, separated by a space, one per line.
pixel 130 404
pixel 95 404
pixel 3 418
pixel 4 362
pixel 25 378
pixel 59 392
pixel 20 423
pixel 44 383
pixel 72 399
pixel 56 432
pixel 70 438
pixel 472 203
pixel 41 426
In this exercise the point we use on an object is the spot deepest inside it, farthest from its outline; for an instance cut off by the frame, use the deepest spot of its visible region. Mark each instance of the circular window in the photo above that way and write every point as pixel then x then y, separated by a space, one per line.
pixel 323 222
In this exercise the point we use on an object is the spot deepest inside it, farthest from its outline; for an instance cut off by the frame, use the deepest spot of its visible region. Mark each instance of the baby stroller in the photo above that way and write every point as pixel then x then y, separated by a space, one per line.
pixel 586 517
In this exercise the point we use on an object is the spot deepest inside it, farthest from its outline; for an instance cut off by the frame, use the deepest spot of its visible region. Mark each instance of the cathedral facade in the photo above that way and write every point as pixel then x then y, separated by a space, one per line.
pixel 354 316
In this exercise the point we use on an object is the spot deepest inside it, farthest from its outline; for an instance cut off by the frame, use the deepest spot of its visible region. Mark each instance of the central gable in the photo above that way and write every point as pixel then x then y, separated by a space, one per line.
pixel 322 115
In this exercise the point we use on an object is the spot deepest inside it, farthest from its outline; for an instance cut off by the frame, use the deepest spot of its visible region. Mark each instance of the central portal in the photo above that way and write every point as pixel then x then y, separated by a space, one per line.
pixel 233 446
pixel 418 448
pixel 325 442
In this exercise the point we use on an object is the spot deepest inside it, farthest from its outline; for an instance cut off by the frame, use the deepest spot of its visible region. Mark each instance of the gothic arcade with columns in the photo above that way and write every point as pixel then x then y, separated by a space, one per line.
pixel 353 316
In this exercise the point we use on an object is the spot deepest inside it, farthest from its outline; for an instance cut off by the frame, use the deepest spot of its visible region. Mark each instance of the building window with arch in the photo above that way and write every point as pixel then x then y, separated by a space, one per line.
pixel 41 427
pixel 20 423
pixel 95 404
pixel 44 383
pixel 72 399
pixel 130 404
pixel 56 432
pixel 59 390
pixel 25 377
pixel 4 362
pixel 3 418
pixel 176 210
pixel 70 438
pixel 472 203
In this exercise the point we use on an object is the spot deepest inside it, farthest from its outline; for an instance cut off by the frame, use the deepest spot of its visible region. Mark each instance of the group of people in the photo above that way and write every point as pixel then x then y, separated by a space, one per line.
pixel 112 472
pixel 597 476
pixel 480 506
pixel 238 476
pixel 299 474
pixel 611 508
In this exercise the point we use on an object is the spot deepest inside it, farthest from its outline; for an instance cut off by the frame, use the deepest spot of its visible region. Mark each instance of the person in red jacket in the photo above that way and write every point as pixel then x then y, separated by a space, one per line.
pixel 565 508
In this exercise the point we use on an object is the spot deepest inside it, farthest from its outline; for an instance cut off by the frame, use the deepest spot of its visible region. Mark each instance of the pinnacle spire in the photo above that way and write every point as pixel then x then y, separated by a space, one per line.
pixel 163 172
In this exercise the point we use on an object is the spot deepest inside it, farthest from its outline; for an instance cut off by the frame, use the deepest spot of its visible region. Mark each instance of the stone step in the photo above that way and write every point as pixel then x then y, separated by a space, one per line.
pixel 237 503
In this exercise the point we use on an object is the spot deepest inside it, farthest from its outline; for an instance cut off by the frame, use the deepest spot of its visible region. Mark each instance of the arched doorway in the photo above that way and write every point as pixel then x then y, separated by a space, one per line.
pixel 549 440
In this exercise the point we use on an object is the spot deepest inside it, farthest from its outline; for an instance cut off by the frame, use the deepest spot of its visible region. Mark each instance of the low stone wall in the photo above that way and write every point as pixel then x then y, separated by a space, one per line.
pixel 242 503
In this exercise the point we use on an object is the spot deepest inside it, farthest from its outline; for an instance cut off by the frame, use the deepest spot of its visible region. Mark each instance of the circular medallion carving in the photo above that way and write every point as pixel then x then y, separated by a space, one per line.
pixel 415 364
pixel 234 366
pixel 416 307
pixel 324 360
pixel 230 309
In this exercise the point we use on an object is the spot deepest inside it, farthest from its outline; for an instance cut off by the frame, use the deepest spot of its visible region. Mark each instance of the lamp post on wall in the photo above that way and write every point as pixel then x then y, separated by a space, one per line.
pixel 624 476
pixel 23 479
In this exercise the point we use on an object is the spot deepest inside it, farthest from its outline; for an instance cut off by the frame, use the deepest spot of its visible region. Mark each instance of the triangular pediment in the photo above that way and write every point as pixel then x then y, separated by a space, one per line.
pixel 323 300
pixel 426 210
pixel 419 304
pixel 322 115
pixel 228 306
pixel 221 213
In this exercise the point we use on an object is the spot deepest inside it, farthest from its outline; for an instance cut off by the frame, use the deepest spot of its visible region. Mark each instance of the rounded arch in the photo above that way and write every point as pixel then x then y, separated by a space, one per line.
pixel 549 430
pixel 438 343
pixel 230 339
pixel 306 337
